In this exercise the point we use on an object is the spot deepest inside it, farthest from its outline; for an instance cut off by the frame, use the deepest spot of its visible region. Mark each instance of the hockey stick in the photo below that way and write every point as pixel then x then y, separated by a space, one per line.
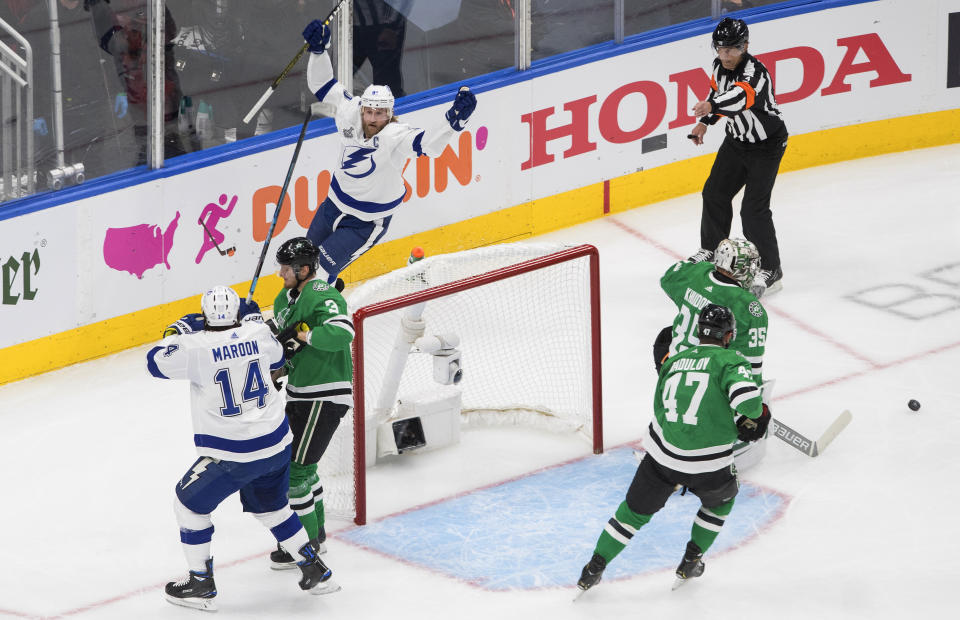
pixel 266 95
pixel 801 443
pixel 227 252
pixel 283 193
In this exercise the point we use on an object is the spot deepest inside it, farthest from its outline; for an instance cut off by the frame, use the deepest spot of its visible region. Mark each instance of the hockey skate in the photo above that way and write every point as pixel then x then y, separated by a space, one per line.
pixel 767 282
pixel 196 590
pixel 691 565
pixel 700 256
pixel 317 578
pixel 591 574
pixel 281 560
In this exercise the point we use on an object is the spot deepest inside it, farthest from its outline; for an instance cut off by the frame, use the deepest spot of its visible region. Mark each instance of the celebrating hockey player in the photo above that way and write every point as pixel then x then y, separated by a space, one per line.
pixel 725 281
pixel 741 91
pixel 243 440
pixel 690 443
pixel 368 187
pixel 311 320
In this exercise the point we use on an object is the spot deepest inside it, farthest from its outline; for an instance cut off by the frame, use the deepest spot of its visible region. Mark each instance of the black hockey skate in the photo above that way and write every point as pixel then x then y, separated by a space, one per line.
pixel 767 282
pixel 316 576
pixel 591 574
pixel 691 565
pixel 196 590
pixel 700 256
pixel 281 560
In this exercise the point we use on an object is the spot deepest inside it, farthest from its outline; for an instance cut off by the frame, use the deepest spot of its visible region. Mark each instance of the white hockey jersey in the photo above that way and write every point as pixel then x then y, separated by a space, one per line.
pixel 368 183
pixel 237 413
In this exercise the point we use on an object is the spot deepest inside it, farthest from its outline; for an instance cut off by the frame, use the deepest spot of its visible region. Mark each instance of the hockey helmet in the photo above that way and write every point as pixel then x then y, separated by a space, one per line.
pixel 731 33
pixel 220 306
pixel 716 322
pixel 298 252
pixel 739 258
pixel 378 96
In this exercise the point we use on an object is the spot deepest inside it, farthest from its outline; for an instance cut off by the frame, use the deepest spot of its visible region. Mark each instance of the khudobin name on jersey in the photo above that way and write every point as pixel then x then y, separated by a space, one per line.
pixel 692 286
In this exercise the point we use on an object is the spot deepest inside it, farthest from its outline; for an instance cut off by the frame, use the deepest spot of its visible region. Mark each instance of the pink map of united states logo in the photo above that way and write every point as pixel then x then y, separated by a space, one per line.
pixel 135 249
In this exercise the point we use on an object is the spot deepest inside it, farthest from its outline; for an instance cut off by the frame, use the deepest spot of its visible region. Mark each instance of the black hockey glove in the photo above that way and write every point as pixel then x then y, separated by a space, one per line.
pixel 751 430
pixel 463 106
pixel 317 36
pixel 288 338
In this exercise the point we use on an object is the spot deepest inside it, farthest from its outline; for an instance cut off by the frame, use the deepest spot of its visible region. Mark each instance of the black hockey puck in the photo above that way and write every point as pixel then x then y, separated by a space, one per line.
pixel 914 405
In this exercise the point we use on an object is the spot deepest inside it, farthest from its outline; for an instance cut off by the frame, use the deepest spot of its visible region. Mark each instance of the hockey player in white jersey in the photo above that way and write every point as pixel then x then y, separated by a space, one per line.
pixel 242 438
pixel 368 187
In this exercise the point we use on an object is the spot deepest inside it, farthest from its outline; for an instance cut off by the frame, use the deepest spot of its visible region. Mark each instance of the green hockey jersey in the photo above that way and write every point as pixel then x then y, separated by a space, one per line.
pixel 699 392
pixel 692 286
pixel 323 369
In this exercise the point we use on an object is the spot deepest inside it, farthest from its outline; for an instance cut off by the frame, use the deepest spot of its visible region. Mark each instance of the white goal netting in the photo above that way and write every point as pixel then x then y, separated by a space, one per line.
pixel 526 343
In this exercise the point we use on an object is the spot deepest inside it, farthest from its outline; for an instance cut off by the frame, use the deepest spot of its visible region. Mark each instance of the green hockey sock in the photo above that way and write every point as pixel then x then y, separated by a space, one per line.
pixel 707 524
pixel 318 504
pixel 302 480
pixel 619 530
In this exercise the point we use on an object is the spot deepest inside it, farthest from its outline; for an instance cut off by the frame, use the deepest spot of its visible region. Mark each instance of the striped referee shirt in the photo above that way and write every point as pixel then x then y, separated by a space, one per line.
pixel 745 97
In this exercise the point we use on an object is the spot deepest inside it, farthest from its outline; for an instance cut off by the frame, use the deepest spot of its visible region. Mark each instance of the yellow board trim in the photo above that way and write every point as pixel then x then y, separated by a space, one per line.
pixel 511 224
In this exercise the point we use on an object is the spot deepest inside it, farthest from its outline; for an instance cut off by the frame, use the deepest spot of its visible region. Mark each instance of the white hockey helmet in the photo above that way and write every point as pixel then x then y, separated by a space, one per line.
pixel 377 96
pixel 220 306
pixel 739 258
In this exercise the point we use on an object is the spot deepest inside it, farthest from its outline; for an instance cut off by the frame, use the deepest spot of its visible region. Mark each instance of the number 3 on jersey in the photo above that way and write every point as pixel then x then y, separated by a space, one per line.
pixel 254 388
pixel 669 396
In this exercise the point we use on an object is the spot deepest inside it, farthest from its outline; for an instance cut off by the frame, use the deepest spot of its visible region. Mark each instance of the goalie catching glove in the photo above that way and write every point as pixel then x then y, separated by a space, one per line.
pixel 753 429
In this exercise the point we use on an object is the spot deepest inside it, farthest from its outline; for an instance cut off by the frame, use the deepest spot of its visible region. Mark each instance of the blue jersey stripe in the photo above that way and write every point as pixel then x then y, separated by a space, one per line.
pixel 278 364
pixel 286 529
pixel 325 89
pixel 152 363
pixel 196 537
pixel 417 148
pixel 361 205
pixel 243 446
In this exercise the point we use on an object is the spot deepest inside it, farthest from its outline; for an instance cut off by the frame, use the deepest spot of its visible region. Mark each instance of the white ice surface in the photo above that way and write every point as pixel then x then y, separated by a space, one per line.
pixel 89 454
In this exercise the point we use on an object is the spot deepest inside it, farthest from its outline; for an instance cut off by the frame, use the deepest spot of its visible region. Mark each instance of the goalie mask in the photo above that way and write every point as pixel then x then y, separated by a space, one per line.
pixel 739 258
pixel 378 96
pixel 220 306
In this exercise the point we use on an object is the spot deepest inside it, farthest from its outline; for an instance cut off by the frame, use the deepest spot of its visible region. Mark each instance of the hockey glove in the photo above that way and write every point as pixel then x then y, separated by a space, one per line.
pixel 288 338
pixel 463 106
pixel 249 311
pixel 753 429
pixel 317 36
pixel 187 324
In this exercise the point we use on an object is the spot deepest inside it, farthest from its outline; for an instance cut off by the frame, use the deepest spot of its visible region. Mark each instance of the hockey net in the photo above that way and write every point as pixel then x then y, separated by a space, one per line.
pixel 528 319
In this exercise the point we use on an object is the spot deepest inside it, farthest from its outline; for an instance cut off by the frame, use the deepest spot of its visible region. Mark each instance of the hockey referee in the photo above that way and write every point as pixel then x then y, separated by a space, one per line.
pixel 741 90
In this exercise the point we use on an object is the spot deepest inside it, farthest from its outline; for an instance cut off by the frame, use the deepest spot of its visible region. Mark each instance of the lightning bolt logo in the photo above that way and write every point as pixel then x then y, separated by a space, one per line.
pixel 198 468
pixel 352 159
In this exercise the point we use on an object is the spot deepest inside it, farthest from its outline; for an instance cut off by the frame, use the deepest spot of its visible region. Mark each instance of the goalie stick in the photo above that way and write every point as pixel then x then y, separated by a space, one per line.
pixel 786 434
pixel 805 445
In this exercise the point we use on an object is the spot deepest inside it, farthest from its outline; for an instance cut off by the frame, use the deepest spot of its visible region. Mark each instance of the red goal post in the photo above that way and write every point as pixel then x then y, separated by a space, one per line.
pixel 363 315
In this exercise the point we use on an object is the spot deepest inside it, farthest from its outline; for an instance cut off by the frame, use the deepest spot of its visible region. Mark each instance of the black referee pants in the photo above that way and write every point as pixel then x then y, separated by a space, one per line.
pixel 738 165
